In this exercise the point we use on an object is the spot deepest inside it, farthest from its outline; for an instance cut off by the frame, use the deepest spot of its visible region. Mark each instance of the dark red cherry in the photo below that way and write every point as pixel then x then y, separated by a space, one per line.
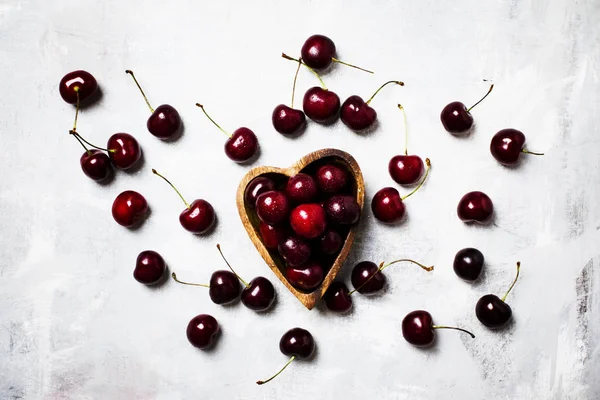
pixel 259 294
pixel 95 164
pixel 150 268
pixel 357 114
pixel 129 208
pixel 418 328
pixel 308 220
pixel 330 243
pixel 492 311
pixel 272 207
pixel 318 51
pixel 202 331
pixel 468 264
pixel 406 169
pixel 255 188
pixel 294 251
pixel 457 118
pixel 331 179
pixel 287 120
pixel 507 145
pixel 271 235
pixel 387 205
pixel 224 287
pixel 342 210
pixel 367 279
pixel 337 297
pixel 123 150
pixel 301 188
pixel 475 207
pixel 77 82
pixel 321 105
pixel 306 277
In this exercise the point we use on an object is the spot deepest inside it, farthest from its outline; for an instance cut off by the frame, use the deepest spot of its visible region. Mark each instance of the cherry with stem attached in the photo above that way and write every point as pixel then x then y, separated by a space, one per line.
pixel 94 163
pixel 507 145
pixel 223 287
pixel 405 169
pixel 368 279
pixel 357 114
pixel 457 118
pixel 319 52
pixel 122 148
pixel 492 311
pixel 388 206
pixel 418 328
pixel 240 146
pixel 77 87
pixel 164 122
pixel 198 217
pixel 287 120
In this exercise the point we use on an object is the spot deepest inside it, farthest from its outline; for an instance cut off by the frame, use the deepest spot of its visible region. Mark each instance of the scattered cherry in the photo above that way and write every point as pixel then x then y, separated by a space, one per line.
pixel 272 207
pixel 318 52
pixel 342 210
pixel 129 208
pixel 301 188
pixel 150 267
pixel 337 297
pixel 405 169
pixel 309 220
pixel 287 120
pixel 202 331
pixel 468 264
pixel 294 251
pixel 297 343
pixel 122 148
pixel 492 311
pixel 271 235
pixel 357 114
pixel 507 146
pixel 198 217
pixel 77 86
pixel 457 118
pixel 255 188
pixel 223 288
pixel 95 164
pixel 475 207
pixel 418 328
pixel 331 179
pixel 330 243
pixel 368 279
pixel 240 146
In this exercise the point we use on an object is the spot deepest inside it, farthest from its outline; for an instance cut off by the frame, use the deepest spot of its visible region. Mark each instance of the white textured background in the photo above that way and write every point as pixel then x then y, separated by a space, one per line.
pixel 74 324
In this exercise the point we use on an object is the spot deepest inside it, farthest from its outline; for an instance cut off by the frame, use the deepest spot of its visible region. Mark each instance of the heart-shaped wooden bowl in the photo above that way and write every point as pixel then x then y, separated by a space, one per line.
pixel 309 163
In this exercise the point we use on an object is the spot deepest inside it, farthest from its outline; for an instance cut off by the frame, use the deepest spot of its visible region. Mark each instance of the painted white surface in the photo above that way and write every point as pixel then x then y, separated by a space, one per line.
pixel 75 325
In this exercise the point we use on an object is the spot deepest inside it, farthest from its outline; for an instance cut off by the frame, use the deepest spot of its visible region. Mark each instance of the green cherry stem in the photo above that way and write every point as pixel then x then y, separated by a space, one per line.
pixel 227 262
pixel 428 163
pixel 280 371
pixel 531 152
pixel 453 327
pixel 79 137
pixel 513 283
pixel 76 109
pixel 174 276
pixel 382 86
pixel 212 120
pixel 383 266
pixel 480 100
pixel 309 68
pixel 295 79
pixel 350 65
pixel 405 129
pixel 173 186
pixel 130 72
pixel 81 143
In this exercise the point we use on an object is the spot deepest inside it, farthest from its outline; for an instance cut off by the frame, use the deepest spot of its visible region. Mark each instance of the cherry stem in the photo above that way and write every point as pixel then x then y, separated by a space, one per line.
pixel 310 69
pixel 453 327
pixel 422 180
pixel 280 371
pixel 383 265
pixel 531 152
pixel 212 120
pixel 81 143
pixel 350 65
pixel 295 79
pixel 405 129
pixel 77 135
pixel 76 109
pixel 227 262
pixel 486 95
pixel 130 72
pixel 174 276
pixel 382 86
pixel 515 281
pixel 173 186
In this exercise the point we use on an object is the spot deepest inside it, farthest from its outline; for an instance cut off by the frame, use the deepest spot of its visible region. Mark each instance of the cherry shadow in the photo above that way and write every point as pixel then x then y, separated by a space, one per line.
pixel 271 309
pixel 92 101
pixel 296 134
pixel 109 179
pixel 163 281
pixel 368 132
pixel 138 166
pixel 177 135
pixel 138 224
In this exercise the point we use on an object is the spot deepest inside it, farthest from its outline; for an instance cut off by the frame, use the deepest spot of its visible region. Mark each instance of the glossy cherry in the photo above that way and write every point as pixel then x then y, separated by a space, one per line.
pixel 301 188
pixel 297 343
pixel 77 86
pixel 294 251
pixel 475 207
pixel 271 235
pixel 272 207
pixel 96 164
pixel 406 169
pixel 318 52
pixel 255 188
pixel 492 311
pixel 307 277
pixel 223 288
pixel 198 217
pixel 202 331
pixel 357 114
pixel 457 118
pixel 129 208
pixel 308 220
pixel 418 328
pixel 150 268
pixel 331 179
pixel 330 243
pixel 507 145
pixel 241 146
pixel 368 279
pixel 164 122
pixel 124 150
pixel 287 120
pixel 468 264
pixel 337 297
pixel 342 210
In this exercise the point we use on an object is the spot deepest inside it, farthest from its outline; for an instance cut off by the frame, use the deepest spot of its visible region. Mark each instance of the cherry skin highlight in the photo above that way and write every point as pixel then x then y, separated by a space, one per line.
pixel 255 188
pixel 150 268
pixel 308 220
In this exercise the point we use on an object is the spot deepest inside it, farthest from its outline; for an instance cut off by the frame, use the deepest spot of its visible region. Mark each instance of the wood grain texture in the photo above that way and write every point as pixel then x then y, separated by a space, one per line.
pixel 251 222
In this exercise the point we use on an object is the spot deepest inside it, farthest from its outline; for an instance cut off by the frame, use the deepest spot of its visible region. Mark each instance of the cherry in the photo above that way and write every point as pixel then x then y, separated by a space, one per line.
pixel 95 164
pixel 202 331
pixel 492 311
pixel 255 188
pixel 457 118
pixel 319 51
pixel 368 279
pixel 342 210
pixel 294 251
pixel 272 207
pixel 129 208
pixel 507 146
pixel 475 207
pixel 301 188
pixel 271 235
pixel 223 288
pixel 306 277
pixel 388 206
pixel 330 243
pixel 297 343
pixel 357 114
pixel 240 146
pixel 287 120
pixel 418 328
pixel 468 264
pixel 405 169
pixel 165 121
pixel 198 217
pixel 122 148
pixel 331 179
pixel 337 297
pixel 77 86
pixel 150 268
pixel 308 220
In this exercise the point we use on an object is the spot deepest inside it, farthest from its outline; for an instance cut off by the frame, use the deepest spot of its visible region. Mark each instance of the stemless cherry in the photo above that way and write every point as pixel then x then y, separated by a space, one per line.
pixel 475 207
pixel 337 297
pixel 492 311
pixel 405 169
pixel 129 208
pixel 150 267
pixel 255 188
pixel 164 122
pixel 368 279
pixel 301 188
pixel 507 145
pixel 223 287
pixel 294 251
pixel 198 217
pixel 331 179
pixel 297 343
pixel 287 120
pixel 330 243
pixel 418 328
pixel 202 331
pixel 468 264
pixel 308 220
pixel 457 118
pixel 77 86
pixel 240 146
pixel 357 114
pixel 306 277
pixel 271 235
pixel 272 207
pixel 342 210
pixel 318 52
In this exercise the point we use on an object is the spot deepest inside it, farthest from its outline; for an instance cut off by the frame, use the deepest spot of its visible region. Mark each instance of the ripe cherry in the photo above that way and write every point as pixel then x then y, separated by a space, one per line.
pixel 342 210
pixel 337 297
pixel 357 114
pixel 77 87
pixel 492 311
pixel 475 207
pixel 255 188
pixel 331 179
pixel 223 287
pixel 294 251
pixel 468 264
pixel 301 188
pixel 271 235
pixel 457 118
pixel 122 149
pixel 418 328
pixel 94 163
pixel 198 217
pixel 307 277
pixel 319 51
pixel 150 268
pixel 405 169
pixel 164 123
pixel 287 120
pixel 308 220
pixel 368 279
pixel 507 146
pixel 129 208
pixel 202 331
pixel 330 243
pixel 272 207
